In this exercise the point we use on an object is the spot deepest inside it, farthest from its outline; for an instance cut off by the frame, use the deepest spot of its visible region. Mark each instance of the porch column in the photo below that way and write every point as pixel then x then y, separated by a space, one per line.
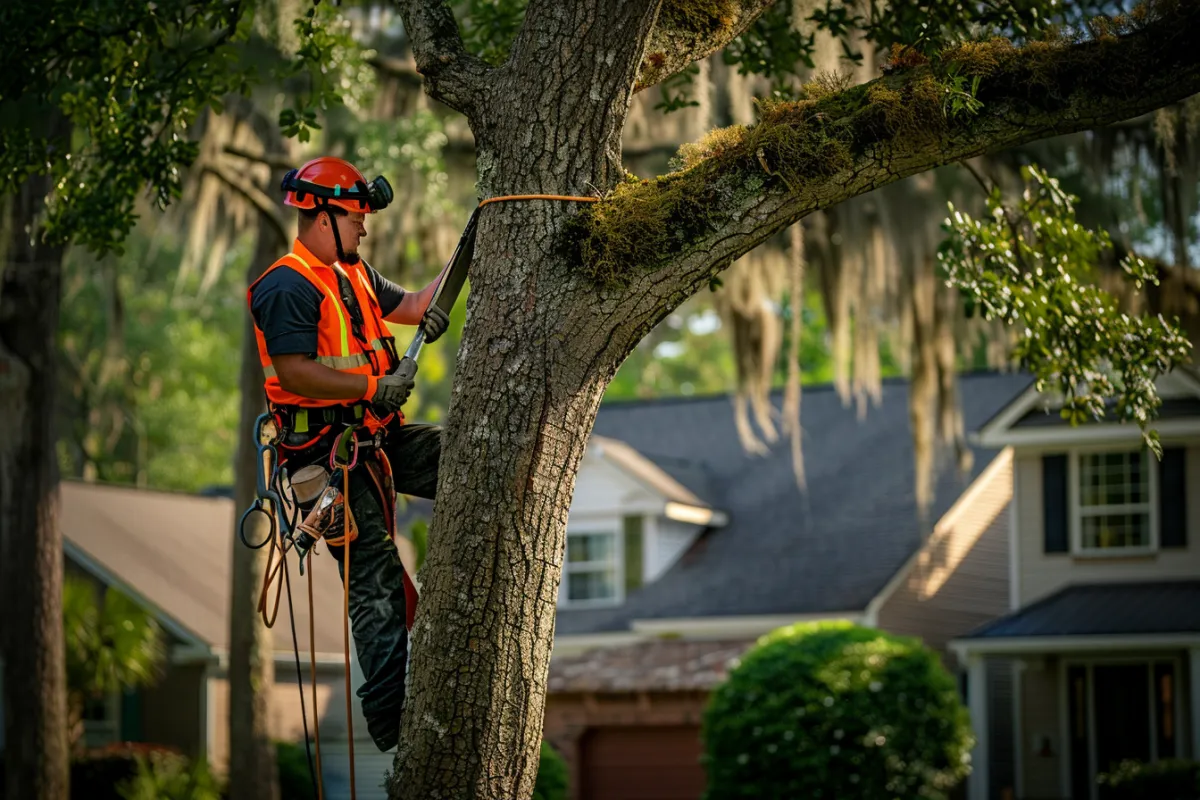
pixel 977 783
pixel 1194 694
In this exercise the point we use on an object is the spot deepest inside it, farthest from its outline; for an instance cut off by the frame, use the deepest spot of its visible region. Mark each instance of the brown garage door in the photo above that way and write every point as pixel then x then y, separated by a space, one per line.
pixel 642 763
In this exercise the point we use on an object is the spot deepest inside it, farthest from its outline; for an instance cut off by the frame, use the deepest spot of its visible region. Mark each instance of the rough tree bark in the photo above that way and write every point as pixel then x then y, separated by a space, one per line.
pixel 31 644
pixel 544 338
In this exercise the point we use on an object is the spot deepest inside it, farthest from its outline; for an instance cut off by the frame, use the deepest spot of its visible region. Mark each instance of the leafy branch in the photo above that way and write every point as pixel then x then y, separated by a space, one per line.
pixel 1031 265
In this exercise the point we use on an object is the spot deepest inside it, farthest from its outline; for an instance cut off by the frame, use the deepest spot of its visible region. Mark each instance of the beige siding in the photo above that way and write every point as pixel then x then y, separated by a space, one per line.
pixel 1040 723
pixel 1040 574
pixel 959 579
pixel 286 721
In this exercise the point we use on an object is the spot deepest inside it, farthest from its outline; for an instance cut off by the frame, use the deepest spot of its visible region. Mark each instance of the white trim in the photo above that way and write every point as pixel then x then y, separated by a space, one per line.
pixel 1018 673
pixel 219 658
pixel 573 644
pixel 696 515
pixel 1090 433
pixel 1014 545
pixel 998 426
pixel 733 627
pixel 963 648
pixel 1075 507
pixel 109 578
pixel 1002 460
pixel 977 782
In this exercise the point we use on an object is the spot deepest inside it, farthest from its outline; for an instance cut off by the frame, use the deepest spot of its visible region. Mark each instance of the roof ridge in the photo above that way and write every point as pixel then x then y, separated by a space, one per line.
pixel 143 490
pixel 829 386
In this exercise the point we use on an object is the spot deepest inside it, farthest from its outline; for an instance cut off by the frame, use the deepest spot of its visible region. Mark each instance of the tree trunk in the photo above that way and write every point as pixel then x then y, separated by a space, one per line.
pixel 31 555
pixel 252 771
pixel 541 345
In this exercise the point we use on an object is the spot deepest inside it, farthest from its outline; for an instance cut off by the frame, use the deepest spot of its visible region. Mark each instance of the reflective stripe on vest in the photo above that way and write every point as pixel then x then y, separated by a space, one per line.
pixel 333 362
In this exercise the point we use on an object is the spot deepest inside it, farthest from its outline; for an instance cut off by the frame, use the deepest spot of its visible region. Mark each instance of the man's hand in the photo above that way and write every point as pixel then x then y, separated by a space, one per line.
pixel 435 321
pixel 391 392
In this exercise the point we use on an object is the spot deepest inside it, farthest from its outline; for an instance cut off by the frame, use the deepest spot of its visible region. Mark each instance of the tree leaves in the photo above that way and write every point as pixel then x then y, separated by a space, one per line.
pixel 1030 264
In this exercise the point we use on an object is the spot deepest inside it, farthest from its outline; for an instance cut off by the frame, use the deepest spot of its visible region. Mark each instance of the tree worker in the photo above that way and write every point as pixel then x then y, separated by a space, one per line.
pixel 319 314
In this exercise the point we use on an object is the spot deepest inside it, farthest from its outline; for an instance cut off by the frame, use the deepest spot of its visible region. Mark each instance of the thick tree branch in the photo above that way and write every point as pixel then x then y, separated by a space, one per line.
pixel 452 75
pixel 742 185
pixel 689 31
pixel 267 210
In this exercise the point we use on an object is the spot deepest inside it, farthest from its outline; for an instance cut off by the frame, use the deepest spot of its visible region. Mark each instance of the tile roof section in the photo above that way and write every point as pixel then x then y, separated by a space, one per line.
pixel 1104 609
pixel 656 665
pixel 784 551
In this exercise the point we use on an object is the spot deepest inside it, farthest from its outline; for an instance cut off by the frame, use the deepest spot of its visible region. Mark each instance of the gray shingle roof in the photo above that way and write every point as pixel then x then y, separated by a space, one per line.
pixel 1104 609
pixel 785 552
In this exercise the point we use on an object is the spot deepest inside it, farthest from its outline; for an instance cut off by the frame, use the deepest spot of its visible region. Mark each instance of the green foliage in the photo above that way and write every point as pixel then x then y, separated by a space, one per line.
pixel 334 64
pixel 149 367
pixel 295 779
pixel 1031 265
pixel 97 773
pixel 552 782
pixel 100 96
pixel 488 27
pixel 1169 779
pixel 111 645
pixel 167 776
pixel 834 710
pixel 772 47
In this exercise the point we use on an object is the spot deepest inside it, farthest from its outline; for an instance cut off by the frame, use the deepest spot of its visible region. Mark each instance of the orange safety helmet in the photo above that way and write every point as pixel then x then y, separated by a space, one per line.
pixel 329 181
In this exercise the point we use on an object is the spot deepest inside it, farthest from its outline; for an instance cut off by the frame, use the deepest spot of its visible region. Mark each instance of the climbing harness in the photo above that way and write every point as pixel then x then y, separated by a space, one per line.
pixel 312 504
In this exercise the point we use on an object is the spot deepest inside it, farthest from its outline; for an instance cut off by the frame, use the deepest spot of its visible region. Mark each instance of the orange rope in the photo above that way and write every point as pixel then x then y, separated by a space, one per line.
pixel 538 197
pixel 312 649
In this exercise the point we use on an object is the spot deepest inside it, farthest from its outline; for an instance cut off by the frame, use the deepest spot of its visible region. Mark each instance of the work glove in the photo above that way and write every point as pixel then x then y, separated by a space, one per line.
pixel 391 392
pixel 435 321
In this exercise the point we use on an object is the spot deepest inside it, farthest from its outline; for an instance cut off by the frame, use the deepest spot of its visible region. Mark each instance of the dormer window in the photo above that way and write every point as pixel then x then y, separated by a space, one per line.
pixel 592 567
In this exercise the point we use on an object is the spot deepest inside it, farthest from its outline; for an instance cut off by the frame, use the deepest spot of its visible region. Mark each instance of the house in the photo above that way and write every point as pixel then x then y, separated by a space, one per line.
pixel 682 548
pixel 173 553
pixel 1101 641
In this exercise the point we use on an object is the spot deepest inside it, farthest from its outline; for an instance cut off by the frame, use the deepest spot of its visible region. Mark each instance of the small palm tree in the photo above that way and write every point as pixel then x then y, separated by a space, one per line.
pixel 112 644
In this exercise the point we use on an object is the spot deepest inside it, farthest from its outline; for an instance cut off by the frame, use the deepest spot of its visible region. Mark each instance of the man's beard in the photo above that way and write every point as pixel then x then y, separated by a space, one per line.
pixel 351 259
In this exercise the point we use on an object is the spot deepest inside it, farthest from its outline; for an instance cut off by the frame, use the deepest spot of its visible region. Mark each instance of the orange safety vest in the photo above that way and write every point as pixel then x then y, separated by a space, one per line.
pixel 338 346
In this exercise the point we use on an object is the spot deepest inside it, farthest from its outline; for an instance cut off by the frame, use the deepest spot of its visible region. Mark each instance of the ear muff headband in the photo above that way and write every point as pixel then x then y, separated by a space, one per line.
pixel 375 195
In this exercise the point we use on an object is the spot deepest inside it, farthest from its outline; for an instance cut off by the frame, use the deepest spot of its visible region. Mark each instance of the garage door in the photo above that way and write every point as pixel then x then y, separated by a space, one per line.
pixel 641 763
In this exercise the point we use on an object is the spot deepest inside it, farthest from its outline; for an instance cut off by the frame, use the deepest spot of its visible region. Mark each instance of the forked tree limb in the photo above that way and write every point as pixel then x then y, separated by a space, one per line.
pixel 452 75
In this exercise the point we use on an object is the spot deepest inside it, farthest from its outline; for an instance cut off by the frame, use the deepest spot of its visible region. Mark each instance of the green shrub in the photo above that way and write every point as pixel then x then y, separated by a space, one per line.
pixel 295 779
pixel 169 776
pixel 552 775
pixel 836 711
pixel 96 773
pixel 1170 779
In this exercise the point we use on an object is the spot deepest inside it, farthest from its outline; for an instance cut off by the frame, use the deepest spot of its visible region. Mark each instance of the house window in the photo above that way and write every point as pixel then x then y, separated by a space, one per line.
pixel 592 567
pixel 1114 501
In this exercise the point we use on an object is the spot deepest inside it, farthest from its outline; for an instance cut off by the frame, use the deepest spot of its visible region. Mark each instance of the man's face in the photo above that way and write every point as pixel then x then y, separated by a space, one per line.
pixel 352 229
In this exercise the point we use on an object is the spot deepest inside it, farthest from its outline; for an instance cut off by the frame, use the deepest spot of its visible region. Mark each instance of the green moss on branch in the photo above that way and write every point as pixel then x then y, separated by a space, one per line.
pixel 646 224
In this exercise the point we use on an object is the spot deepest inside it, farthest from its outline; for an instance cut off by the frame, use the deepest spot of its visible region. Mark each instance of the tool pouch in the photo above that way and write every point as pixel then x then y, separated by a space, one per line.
pixel 321 500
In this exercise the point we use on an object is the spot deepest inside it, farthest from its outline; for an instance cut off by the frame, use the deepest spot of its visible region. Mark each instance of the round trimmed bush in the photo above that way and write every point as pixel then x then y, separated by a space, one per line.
pixel 834 710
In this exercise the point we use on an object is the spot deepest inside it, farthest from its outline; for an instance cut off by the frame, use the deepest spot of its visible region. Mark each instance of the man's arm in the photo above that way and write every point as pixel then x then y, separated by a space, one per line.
pixel 413 304
pixel 299 374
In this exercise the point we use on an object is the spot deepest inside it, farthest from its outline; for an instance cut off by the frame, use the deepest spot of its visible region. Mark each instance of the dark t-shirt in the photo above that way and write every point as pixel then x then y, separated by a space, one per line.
pixel 287 308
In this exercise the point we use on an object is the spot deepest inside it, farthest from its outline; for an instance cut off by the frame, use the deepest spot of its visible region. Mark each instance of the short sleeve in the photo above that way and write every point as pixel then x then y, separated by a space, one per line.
pixel 388 294
pixel 287 309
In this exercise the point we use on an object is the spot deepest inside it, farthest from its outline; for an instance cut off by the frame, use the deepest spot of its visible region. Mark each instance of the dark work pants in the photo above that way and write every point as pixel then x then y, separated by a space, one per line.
pixel 377 604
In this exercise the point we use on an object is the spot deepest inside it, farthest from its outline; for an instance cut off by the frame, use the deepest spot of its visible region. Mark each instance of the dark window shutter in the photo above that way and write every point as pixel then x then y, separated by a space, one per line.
pixel 633 552
pixel 1172 498
pixel 1054 504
